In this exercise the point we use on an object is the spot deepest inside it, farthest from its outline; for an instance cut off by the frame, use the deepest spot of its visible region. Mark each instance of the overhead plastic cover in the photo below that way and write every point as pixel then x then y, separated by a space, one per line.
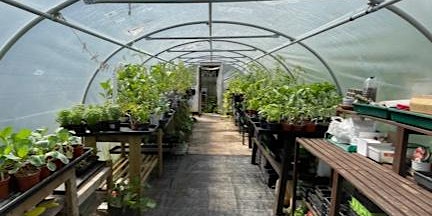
pixel 46 66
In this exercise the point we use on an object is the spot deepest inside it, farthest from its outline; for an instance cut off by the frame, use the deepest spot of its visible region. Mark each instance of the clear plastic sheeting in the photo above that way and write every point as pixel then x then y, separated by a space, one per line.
pixel 51 66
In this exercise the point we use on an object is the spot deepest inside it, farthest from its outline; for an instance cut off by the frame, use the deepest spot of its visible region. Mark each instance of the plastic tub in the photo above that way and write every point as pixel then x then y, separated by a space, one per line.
pixel 424 179
pixel 381 153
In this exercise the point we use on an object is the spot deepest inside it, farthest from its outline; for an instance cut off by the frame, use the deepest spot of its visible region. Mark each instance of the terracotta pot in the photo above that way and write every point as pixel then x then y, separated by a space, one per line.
pixel 27 179
pixel 58 164
pixel 298 127
pixel 287 126
pixel 44 172
pixel 78 150
pixel 310 127
pixel 4 187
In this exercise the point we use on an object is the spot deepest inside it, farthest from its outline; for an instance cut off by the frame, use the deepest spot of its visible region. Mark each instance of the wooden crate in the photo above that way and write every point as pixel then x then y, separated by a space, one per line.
pixel 421 104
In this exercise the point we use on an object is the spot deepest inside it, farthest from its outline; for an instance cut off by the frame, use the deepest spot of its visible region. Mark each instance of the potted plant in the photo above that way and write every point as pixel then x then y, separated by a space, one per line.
pixel 124 199
pixel 25 168
pixel 114 113
pixel 5 162
pixel 48 149
pixel 72 119
pixel 93 116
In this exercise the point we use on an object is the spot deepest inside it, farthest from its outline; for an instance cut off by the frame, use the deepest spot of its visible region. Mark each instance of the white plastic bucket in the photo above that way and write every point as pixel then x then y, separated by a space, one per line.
pixel 421 166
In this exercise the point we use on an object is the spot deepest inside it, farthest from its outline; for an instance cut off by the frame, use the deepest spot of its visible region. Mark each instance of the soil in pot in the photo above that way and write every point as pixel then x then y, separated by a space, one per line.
pixel 27 177
pixel 131 211
pixel 4 187
pixel 78 150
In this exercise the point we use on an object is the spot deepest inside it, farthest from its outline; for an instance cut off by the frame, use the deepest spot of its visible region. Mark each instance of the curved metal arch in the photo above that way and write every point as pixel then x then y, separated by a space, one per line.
pixel 226 41
pixel 411 20
pixel 220 22
pixel 238 53
pixel 231 64
pixel 312 51
pixel 199 58
pixel 6 47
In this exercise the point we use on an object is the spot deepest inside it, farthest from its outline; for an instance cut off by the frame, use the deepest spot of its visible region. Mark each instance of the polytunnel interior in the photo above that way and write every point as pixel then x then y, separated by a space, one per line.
pixel 55 54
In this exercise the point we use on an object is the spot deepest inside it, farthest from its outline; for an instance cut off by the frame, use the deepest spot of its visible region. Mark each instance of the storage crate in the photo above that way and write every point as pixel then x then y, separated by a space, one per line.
pixel 372 110
pixel 381 153
pixel 412 118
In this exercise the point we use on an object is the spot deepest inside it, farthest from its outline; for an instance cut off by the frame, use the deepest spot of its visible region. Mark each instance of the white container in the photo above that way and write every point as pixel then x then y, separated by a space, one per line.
pixel 421 166
pixel 363 144
pixel 372 135
pixel 381 153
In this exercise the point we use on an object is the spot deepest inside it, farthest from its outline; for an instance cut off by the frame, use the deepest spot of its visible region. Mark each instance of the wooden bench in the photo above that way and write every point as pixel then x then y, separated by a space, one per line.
pixel 393 193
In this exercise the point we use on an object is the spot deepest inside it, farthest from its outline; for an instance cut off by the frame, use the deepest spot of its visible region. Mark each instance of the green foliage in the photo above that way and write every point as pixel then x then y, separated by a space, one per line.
pixel 93 114
pixel 24 148
pixel 125 195
pixel 279 96
pixel 142 93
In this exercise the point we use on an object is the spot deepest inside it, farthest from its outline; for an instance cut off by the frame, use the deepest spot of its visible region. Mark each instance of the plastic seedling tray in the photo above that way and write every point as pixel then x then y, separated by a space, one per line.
pixel 424 179
pixel 412 118
pixel 372 110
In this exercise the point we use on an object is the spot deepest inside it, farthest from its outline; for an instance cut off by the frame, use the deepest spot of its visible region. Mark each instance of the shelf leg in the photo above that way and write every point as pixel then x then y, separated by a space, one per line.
pixel 401 146
pixel 71 195
pixel 336 194
pixel 90 141
pixel 160 151
pixel 135 160
pixel 295 175
pixel 254 153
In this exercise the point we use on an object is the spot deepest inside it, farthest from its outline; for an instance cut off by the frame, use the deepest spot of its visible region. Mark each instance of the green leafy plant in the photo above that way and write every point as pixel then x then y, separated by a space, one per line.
pixel 126 196
pixel 93 114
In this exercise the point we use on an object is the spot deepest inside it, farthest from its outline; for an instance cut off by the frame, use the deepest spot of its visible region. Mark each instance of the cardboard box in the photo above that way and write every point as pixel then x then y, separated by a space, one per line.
pixel 421 104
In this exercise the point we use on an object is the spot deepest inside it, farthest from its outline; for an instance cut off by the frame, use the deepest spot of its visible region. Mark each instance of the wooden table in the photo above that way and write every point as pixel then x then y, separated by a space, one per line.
pixel 393 193
pixel 134 139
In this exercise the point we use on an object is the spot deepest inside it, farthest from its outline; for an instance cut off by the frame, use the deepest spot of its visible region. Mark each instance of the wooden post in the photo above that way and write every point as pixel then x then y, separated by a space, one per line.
pixel 135 160
pixel 123 149
pixel 336 194
pixel 71 195
pixel 285 173
pixel 90 141
pixel 401 144
pixel 160 151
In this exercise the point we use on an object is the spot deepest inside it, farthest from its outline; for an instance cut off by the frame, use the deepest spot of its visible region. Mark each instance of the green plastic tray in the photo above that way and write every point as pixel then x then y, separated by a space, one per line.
pixel 412 118
pixel 372 110
pixel 344 146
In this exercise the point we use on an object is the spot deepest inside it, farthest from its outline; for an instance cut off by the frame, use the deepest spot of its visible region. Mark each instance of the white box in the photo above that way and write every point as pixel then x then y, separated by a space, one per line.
pixel 381 153
pixel 362 145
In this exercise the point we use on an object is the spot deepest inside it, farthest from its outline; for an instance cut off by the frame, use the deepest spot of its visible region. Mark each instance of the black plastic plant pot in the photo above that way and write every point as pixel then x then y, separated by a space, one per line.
pixel 140 126
pixel 238 97
pixel 115 211
pixel 95 127
pixel 274 126
pixel 79 129
pixel 131 211
pixel 111 126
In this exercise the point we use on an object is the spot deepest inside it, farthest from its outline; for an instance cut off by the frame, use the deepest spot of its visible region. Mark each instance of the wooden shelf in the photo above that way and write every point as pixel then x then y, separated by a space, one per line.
pixel 276 165
pixel 387 121
pixel 394 194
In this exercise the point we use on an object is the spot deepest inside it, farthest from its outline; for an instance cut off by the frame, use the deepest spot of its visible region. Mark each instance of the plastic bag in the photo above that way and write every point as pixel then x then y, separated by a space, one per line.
pixel 343 130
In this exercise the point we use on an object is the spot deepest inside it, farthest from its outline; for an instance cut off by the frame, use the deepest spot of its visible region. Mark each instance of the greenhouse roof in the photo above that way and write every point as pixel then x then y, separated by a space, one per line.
pixel 54 53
